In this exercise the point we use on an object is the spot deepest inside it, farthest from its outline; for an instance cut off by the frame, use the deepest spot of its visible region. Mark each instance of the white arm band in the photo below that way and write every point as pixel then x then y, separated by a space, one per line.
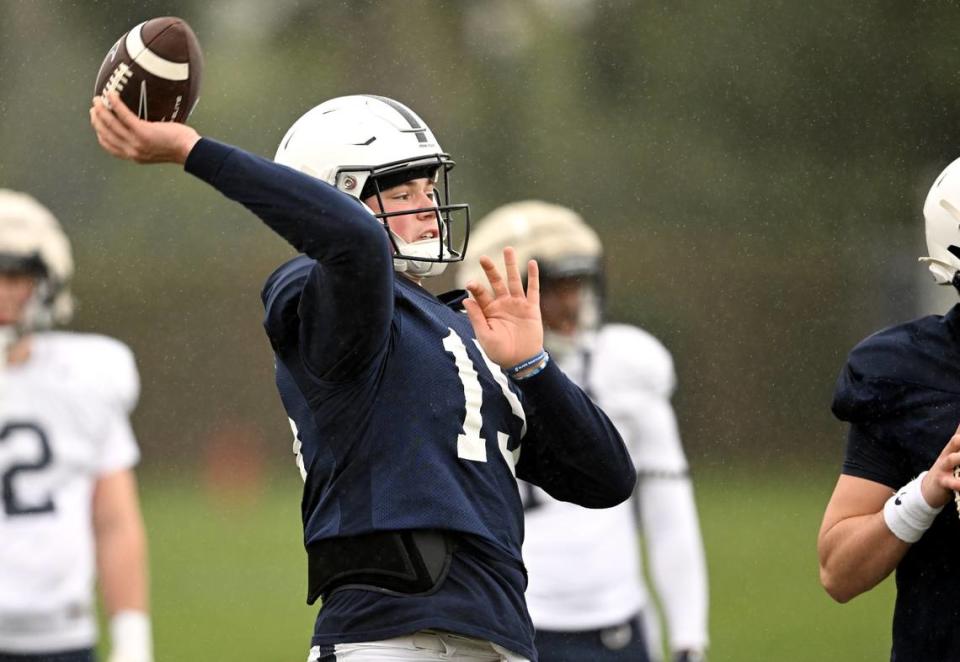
pixel 130 637
pixel 907 514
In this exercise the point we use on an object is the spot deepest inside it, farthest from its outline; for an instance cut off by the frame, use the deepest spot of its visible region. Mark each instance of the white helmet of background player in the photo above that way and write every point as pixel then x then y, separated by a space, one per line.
pixel 941 213
pixel 365 144
pixel 31 241
pixel 564 246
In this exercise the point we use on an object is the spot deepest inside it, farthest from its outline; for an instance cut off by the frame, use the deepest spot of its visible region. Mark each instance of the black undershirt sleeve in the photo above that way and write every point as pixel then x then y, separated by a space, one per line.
pixel 871 458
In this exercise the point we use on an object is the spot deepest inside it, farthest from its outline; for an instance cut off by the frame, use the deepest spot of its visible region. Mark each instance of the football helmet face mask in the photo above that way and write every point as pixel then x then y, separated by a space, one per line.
pixel 31 242
pixel 365 144
pixel 566 250
pixel 941 213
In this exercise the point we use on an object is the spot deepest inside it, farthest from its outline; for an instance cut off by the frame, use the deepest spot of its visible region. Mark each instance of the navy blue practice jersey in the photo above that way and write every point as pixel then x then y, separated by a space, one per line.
pixel 403 422
pixel 430 399
pixel 900 392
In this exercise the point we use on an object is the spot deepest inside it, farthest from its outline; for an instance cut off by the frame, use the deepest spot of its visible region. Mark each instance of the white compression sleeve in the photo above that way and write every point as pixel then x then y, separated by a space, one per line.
pixel 671 535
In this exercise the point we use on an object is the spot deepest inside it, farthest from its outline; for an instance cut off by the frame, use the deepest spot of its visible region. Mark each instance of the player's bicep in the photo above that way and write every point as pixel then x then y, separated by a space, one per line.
pixel 873 468
pixel 853 497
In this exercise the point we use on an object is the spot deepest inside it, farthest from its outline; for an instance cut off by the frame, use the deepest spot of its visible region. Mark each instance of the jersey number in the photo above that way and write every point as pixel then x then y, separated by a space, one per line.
pixel 470 445
pixel 11 505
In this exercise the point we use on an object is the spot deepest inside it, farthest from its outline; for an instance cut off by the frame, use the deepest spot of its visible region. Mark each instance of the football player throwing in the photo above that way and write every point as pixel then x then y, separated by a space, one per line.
pixel 411 418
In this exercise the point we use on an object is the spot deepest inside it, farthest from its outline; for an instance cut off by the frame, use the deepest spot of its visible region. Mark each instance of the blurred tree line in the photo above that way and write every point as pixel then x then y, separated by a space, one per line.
pixel 757 172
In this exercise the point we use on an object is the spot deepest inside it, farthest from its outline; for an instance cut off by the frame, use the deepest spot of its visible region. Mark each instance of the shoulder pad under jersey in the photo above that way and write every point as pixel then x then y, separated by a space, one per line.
pixel 104 365
pixel 629 358
pixel 886 367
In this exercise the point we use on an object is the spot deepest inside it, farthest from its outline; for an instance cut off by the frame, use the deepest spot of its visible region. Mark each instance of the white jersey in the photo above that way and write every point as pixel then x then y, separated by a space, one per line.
pixel 64 422
pixel 584 565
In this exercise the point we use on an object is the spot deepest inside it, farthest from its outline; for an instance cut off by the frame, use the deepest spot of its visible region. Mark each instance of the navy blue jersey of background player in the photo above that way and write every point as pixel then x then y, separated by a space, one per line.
pixel 403 423
pixel 900 391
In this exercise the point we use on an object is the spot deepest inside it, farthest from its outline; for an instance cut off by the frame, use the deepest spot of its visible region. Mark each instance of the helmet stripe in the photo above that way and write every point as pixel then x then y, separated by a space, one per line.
pixel 405 114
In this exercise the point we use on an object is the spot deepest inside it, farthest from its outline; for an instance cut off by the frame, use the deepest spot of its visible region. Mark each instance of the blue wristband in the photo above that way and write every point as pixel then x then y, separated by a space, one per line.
pixel 535 366
pixel 526 364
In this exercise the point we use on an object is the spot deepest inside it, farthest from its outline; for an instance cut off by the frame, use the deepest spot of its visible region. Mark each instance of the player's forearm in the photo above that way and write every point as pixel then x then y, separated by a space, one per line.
pixel 315 218
pixel 856 554
pixel 573 451
pixel 122 567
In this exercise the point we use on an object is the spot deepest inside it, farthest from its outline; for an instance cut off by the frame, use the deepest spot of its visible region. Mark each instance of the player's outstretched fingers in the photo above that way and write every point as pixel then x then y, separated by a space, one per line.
pixel 514 282
pixel 533 283
pixel 479 293
pixel 105 123
pixel 477 319
pixel 106 135
pixel 112 148
pixel 493 276
pixel 124 115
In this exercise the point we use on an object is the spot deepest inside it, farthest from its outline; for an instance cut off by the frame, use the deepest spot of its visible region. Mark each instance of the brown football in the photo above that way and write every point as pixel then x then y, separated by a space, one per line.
pixel 156 68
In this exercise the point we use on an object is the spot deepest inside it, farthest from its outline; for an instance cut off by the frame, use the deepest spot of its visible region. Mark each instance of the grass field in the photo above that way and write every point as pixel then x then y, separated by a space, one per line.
pixel 229 575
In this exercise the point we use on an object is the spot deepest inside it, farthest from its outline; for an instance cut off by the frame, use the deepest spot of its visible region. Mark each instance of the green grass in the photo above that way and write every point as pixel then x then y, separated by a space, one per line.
pixel 766 602
pixel 229 574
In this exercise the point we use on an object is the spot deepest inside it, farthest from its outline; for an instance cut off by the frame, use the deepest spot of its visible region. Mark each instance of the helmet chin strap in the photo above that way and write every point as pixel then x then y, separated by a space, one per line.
pixel 414 249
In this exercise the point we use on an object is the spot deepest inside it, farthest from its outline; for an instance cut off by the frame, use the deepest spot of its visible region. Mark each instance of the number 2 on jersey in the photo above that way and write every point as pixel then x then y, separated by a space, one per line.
pixel 11 504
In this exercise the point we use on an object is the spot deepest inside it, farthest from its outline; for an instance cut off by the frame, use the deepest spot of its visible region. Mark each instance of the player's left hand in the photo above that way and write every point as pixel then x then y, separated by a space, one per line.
pixel 507 320
pixel 942 482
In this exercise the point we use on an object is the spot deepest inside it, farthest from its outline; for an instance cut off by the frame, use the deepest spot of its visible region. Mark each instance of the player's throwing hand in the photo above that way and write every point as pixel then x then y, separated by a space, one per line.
pixel 124 135
pixel 507 320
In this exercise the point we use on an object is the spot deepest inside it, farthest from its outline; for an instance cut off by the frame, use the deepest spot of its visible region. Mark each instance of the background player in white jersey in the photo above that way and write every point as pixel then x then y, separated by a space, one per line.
pixel 69 500
pixel 586 594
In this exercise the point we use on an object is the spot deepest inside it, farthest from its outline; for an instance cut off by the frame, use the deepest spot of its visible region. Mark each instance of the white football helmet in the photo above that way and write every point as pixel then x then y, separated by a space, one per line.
pixel 941 213
pixel 31 241
pixel 563 245
pixel 363 144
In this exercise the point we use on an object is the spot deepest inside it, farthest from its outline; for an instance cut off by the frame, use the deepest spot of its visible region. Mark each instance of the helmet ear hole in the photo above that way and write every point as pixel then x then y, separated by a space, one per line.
pixel 954 250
